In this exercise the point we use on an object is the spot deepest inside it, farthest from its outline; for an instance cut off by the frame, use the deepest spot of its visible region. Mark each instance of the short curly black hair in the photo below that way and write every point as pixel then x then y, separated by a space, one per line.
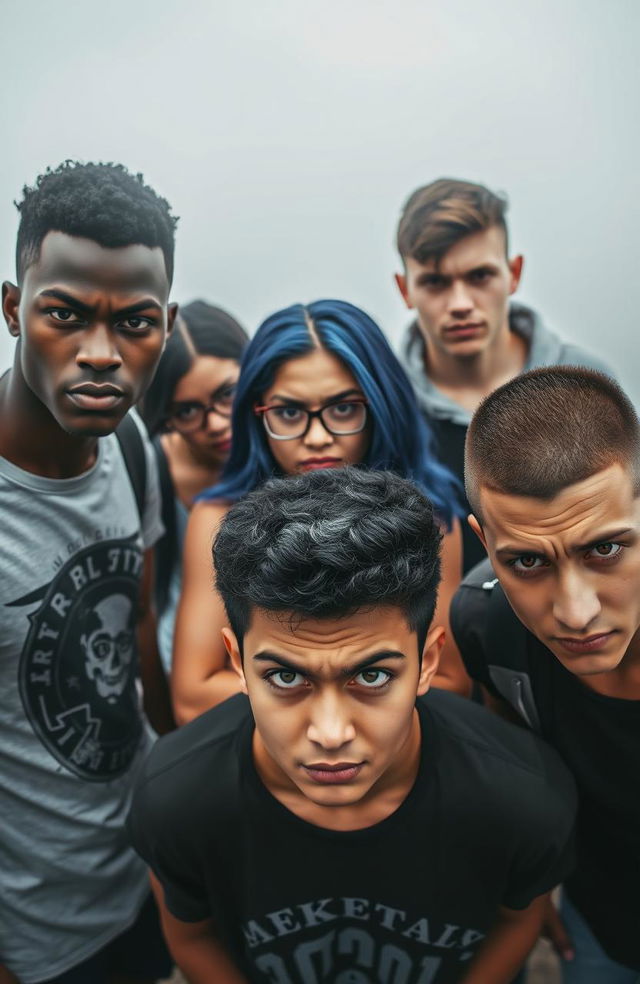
pixel 327 544
pixel 103 202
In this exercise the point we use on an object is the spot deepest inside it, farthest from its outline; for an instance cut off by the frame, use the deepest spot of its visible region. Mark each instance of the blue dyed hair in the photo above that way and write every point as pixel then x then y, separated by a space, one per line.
pixel 401 440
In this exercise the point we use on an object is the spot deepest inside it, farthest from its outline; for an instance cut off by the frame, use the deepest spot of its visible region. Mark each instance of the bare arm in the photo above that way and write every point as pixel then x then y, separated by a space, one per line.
pixel 507 945
pixel 194 947
pixel 451 673
pixel 6 977
pixel 200 677
pixel 157 703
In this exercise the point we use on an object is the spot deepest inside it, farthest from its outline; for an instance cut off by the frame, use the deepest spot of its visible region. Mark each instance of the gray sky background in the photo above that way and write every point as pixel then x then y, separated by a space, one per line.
pixel 287 135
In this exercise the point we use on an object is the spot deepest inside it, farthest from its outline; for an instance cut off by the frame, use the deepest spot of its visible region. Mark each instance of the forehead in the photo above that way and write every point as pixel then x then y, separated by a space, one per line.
pixel 578 514
pixel 329 643
pixel 207 373
pixel 486 246
pixel 315 375
pixel 81 264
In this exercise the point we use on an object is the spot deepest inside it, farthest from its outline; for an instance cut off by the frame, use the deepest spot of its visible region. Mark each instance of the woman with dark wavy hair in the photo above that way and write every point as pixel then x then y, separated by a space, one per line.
pixel 187 410
pixel 319 387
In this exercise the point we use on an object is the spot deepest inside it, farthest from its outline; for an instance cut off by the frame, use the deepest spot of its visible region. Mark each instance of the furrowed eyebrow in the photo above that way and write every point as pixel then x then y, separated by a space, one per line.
pixel 290 401
pixel 519 552
pixel 73 302
pixel 347 671
pixel 144 305
pixel 69 299
pixel 606 537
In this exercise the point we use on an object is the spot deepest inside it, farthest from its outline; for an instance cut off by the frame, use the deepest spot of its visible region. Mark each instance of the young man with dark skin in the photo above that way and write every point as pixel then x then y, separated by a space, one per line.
pixel 467 338
pixel 90 315
pixel 332 827
pixel 553 630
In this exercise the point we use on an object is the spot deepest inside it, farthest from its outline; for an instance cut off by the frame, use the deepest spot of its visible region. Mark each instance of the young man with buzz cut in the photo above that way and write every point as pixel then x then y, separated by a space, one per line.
pixel 332 828
pixel 552 630
pixel 467 338
pixel 80 511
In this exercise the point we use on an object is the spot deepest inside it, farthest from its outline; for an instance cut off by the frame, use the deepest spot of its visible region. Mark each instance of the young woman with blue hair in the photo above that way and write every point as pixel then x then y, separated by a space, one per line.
pixel 319 387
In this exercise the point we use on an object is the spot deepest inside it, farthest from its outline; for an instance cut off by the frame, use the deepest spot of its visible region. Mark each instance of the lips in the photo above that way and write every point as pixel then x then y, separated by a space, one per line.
pixel 224 445
pixel 589 644
pixel 332 775
pixel 95 396
pixel 463 331
pixel 310 464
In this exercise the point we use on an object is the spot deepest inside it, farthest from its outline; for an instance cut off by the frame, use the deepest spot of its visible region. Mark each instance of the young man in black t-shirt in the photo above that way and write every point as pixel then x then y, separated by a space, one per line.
pixel 553 477
pixel 330 828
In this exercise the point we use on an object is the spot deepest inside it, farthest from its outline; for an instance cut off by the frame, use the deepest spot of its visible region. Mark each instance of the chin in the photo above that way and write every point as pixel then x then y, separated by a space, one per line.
pixel 100 427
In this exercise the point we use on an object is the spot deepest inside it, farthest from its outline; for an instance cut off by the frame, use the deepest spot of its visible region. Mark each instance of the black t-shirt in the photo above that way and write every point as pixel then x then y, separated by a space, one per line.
pixel 450 438
pixel 487 823
pixel 599 739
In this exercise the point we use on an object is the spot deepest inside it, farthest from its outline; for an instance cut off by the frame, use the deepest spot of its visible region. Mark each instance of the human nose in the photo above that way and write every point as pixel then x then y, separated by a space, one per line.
pixel 214 421
pixel 330 725
pixel 460 300
pixel 317 435
pixel 576 602
pixel 98 350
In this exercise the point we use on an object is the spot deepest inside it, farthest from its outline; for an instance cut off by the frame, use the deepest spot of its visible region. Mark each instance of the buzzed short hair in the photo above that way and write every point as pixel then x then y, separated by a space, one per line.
pixel 438 215
pixel 548 429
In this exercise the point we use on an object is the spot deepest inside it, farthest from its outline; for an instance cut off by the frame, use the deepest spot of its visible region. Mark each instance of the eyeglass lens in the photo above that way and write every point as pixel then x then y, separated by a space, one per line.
pixel 338 418
pixel 190 416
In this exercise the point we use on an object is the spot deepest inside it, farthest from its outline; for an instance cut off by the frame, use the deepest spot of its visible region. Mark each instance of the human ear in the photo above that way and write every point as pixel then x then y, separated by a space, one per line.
pixel 515 269
pixel 477 529
pixel 401 281
pixel 231 645
pixel 430 657
pixel 10 305
pixel 172 312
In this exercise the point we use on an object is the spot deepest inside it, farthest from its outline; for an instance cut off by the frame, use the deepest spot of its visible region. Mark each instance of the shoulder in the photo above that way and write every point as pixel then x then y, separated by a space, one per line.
pixel 207 516
pixel 198 763
pixel 507 762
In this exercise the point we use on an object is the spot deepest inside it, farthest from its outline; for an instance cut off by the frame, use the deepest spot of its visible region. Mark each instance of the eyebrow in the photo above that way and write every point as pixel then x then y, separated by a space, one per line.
pixel 265 656
pixel 332 399
pixel 61 295
pixel 231 381
pixel 430 274
pixel 608 536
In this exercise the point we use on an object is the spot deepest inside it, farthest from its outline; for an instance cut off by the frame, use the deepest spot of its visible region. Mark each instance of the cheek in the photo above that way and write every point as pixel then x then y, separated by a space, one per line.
pixel 283 453
pixel 355 447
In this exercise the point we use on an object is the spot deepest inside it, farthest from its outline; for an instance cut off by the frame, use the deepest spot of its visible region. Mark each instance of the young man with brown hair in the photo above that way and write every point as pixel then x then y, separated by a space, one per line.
pixel 467 338
pixel 553 630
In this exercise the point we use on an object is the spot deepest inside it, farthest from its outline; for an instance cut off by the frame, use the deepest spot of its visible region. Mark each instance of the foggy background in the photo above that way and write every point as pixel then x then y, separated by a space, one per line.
pixel 287 135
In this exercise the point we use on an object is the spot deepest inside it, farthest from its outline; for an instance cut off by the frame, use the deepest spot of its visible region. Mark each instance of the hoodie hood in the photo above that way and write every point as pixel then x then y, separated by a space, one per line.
pixel 544 347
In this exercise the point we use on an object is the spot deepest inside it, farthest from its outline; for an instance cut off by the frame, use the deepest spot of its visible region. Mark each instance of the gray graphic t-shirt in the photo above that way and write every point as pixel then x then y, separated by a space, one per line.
pixel 71 729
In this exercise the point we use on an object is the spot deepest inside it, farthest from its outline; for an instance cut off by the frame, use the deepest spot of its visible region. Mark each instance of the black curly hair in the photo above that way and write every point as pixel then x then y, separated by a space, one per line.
pixel 103 202
pixel 327 544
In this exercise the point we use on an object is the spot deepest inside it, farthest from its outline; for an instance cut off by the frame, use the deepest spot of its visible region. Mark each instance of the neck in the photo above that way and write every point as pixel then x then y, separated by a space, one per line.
pixel 190 472
pixel 467 380
pixel 32 439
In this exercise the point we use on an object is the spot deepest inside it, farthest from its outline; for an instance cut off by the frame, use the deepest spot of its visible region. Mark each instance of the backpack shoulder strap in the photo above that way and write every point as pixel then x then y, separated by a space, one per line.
pixel 505 645
pixel 166 547
pixel 130 441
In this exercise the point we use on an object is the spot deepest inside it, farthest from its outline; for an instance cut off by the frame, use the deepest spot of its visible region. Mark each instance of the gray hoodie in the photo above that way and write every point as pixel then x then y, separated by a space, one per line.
pixel 545 349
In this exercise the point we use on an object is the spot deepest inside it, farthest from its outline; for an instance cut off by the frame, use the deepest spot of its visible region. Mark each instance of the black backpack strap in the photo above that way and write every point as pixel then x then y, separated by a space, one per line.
pixel 166 547
pixel 132 447
pixel 503 642
pixel 509 666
